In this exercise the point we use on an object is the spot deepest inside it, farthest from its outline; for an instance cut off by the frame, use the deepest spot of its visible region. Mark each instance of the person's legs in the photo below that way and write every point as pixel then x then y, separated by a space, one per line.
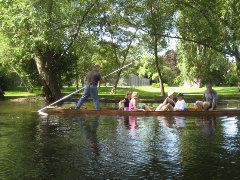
pixel 94 94
pixel 165 107
pixel 85 95
pixel 199 104
pixel 206 105
pixel 146 107
pixel 159 107
pixel 170 107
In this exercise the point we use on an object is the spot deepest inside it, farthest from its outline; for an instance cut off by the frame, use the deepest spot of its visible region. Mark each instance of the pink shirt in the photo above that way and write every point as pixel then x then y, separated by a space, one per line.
pixel 133 103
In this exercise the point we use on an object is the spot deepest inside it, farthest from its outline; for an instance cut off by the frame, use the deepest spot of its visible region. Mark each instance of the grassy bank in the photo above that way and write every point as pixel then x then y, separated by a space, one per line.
pixel 146 92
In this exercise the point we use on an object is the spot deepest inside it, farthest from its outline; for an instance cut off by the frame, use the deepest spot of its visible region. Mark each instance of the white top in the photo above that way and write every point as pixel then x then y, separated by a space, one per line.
pixel 180 105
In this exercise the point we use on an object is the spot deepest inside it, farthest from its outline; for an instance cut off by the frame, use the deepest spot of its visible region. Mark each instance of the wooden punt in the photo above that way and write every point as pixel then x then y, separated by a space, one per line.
pixel 115 112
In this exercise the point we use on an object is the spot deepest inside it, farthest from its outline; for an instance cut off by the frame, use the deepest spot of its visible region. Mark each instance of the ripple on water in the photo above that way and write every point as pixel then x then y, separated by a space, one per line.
pixel 72 147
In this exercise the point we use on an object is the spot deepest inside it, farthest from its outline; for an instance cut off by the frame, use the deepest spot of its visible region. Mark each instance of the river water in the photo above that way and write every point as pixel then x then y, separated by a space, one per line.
pixel 104 147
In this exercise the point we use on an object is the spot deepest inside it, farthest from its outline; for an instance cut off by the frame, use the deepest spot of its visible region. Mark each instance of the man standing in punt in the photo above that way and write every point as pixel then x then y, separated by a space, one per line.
pixel 91 88
pixel 209 99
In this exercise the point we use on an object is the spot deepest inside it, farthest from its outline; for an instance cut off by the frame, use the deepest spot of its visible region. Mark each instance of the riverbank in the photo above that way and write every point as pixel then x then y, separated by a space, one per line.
pixel 148 94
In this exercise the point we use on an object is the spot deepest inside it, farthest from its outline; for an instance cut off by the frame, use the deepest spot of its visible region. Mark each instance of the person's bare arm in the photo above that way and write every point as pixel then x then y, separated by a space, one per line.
pixel 102 80
pixel 120 103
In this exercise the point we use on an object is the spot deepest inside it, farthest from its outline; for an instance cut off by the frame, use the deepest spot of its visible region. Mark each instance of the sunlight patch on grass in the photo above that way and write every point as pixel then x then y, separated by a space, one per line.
pixel 147 91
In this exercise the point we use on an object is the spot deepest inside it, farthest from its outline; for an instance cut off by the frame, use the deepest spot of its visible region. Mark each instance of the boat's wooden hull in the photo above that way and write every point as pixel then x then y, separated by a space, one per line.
pixel 112 112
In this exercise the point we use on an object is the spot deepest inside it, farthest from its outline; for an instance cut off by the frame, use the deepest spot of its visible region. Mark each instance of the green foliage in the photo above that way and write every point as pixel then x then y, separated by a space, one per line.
pixel 198 63
pixel 48 26
pixel 148 69
pixel 231 77
pixel 74 35
pixel 6 79
pixel 209 24
pixel 179 80
pixel 169 75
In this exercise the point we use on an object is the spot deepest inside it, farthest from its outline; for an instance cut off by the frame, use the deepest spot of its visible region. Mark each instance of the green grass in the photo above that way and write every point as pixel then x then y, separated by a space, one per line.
pixel 144 91
pixel 21 91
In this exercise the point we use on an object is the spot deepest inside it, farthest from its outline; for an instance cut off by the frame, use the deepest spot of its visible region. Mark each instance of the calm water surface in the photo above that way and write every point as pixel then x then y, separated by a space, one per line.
pixel 102 147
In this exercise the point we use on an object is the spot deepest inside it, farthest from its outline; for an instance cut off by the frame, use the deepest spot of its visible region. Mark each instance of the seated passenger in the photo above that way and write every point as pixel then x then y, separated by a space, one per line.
pixel 180 104
pixel 133 105
pixel 168 104
pixel 209 99
pixel 125 102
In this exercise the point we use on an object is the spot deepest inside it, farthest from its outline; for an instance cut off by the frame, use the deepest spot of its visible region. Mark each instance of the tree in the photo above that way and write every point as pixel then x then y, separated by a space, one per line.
pixel 19 62
pixel 202 64
pixel 168 67
pixel 156 18
pixel 213 24
pixel 118 35
pixel 45 29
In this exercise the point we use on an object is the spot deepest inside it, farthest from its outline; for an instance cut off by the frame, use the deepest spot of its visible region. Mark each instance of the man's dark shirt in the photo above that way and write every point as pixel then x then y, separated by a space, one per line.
pixel 93 77
pixel 210 96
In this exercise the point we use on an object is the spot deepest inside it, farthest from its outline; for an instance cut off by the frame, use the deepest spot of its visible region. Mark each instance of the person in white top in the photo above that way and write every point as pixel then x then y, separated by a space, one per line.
pixel 168 103
pixel 180 105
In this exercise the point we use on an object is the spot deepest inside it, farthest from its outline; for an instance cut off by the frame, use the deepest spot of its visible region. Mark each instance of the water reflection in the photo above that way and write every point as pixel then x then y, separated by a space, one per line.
pixel 124 120
pixel 165 121
pixel 179 122
pixel 99 147
pixel 133 122
pixel 175 123
pixel 230 126
pixel 206 124
pixel 90 129
pixel 130 123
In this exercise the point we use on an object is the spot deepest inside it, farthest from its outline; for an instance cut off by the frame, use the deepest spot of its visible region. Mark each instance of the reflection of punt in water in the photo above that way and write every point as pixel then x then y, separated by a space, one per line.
pixel 115 112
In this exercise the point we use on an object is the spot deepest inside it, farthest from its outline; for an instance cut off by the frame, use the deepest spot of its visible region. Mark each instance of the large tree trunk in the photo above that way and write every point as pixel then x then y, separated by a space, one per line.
pixel 157 66
pixel 51 87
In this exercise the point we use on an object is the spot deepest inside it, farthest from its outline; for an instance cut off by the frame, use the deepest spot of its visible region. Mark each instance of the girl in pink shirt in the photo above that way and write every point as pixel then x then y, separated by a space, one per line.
pixel 133 105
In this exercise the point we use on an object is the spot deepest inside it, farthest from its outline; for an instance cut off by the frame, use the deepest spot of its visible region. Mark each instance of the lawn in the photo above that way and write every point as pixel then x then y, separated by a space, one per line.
pixel 146 92
pixel 20 91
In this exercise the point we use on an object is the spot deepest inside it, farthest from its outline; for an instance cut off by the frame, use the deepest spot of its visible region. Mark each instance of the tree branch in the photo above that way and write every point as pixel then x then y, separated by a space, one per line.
pixel 74 37
pixel 221 50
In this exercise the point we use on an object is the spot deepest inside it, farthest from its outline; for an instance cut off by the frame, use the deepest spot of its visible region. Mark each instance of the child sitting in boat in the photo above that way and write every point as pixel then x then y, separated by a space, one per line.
pixel 133 105
pixel 180 104
pixel 168 104
pixel 125 102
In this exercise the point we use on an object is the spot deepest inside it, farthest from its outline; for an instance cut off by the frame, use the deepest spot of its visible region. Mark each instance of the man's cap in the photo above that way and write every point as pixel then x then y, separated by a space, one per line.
pixel 170 93
pixel 208 86
pixel 180 95
pixel 97 66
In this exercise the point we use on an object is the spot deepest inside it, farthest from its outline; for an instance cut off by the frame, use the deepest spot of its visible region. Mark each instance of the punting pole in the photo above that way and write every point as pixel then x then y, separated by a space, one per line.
pixel 117 70
pixel 40 110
